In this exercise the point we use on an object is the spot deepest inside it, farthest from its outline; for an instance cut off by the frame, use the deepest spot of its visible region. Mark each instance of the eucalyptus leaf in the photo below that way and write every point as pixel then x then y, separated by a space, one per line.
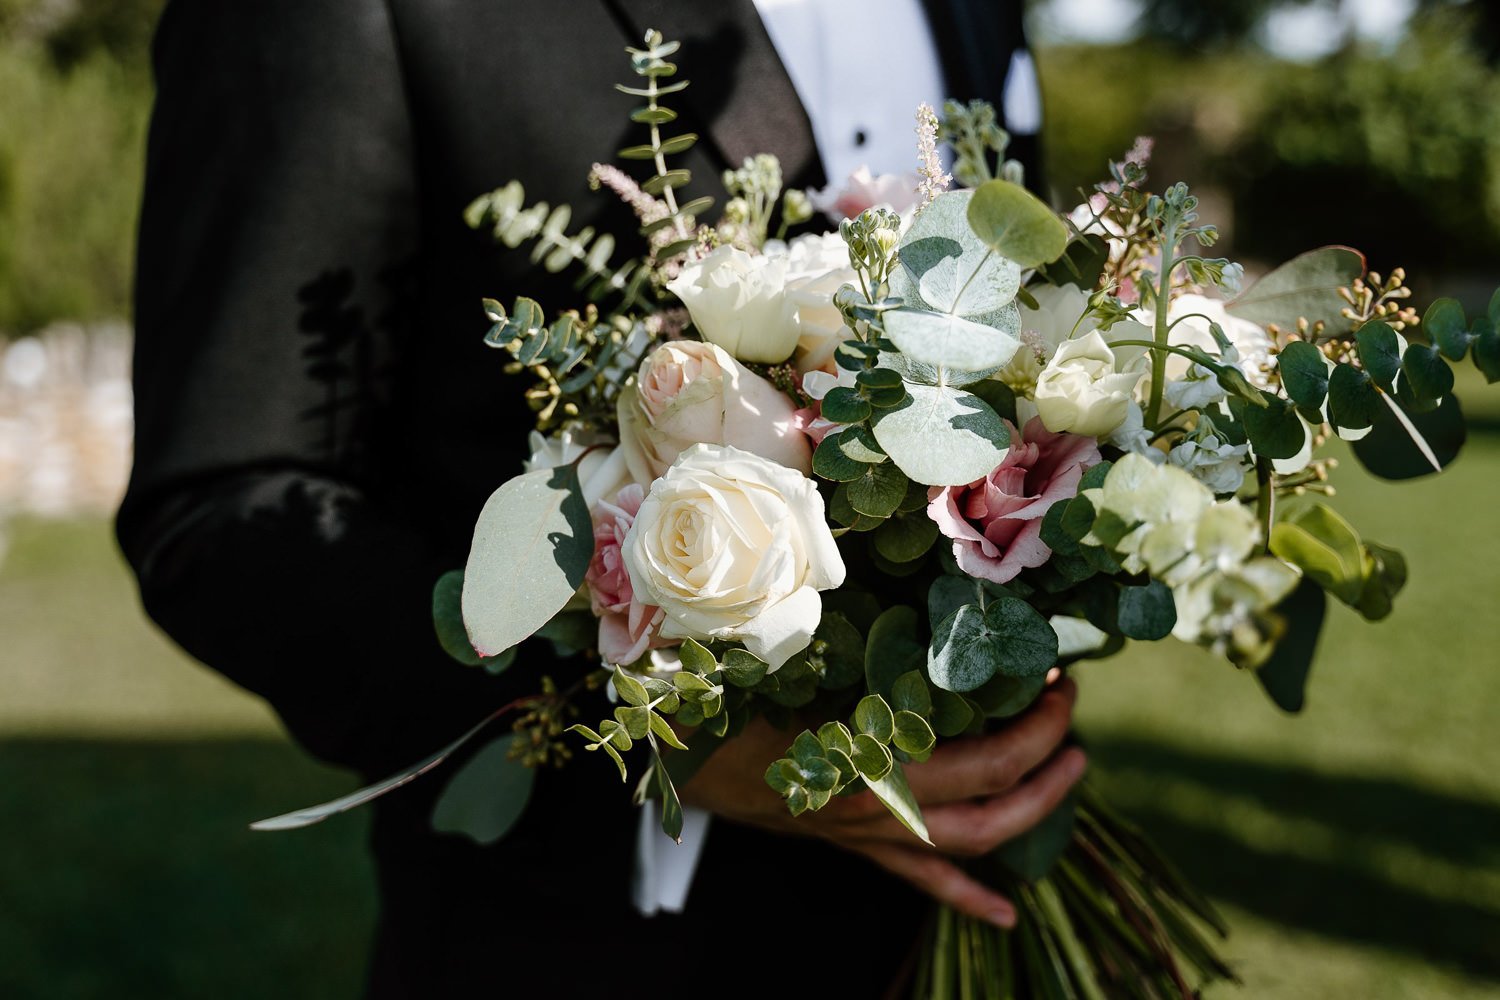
pixel 1147 612
pixel 1304 373
pixel 1325 547
pixel 971 646
pixel 878 490
pixel 943 436
pixel 873 717
pixel 1380 352
pixel 1391 452
pixel 532 546
pixel 1426 372
pixel 893 790
pixel 1307 286
pixel 1284 675
pixel 948 340
pixel 1445 325
pixel 892 649
pixel 486 796
pixel 1353 401
pixel 972 278
pixel 1016 224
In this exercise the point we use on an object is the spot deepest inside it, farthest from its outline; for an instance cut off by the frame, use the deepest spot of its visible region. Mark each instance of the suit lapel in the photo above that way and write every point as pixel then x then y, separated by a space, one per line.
pixel 741 100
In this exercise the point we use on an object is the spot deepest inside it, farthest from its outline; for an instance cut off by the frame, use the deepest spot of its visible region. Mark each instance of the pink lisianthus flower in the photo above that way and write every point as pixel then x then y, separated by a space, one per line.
pixel 863 190
pixel 996 523
pixel 627 628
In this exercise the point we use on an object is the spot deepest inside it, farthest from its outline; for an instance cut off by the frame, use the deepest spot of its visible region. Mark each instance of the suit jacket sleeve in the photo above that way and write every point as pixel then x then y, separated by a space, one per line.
pixel 280 199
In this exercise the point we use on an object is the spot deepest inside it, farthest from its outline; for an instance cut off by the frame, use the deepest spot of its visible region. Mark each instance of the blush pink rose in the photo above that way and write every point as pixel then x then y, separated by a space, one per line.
pixel 863 190
pixel 627 628
pixel 996 523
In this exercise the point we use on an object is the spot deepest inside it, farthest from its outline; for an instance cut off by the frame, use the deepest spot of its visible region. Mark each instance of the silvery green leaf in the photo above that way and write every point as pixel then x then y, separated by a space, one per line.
pixel 938 338
pixel 913 370
pixel 943 436
pixel 950 267
pixel 893 790
pixel 1014 222
pixel 532 545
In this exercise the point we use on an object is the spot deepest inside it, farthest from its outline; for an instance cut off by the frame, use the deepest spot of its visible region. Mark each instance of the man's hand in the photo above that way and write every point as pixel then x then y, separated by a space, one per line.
pixel 976 793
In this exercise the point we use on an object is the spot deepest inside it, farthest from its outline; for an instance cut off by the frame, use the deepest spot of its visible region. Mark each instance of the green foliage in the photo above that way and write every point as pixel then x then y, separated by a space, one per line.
pixel 1147 612
pixel 1306 287
pixel 1313 537
pixel 976 642
pixel 448 621
pixel 650 63
pixel 1016 224
pixel 942 436
pixel 532 545
pixel 1284 674
pixel 486 796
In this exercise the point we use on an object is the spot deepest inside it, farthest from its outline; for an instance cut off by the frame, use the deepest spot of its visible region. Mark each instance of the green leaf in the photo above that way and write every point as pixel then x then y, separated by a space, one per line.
pixel 630 689
pixel 532 546
pixel 696 659
pixel 892 649
pixel 671 806
pixel 1147 612
pixel 910 694
pixel 879 378
pixel 1487 349
pixel 1385 576
pixel 892 789
pixel 836 736
pixel 635 721
pixel 1445 324
pixel 1426 372
pixel 1390 452
pixel 672 178
pixel 1327 549
pixel 1081 263
pixel 830 461
pixel 971 646
pixel 1304 373
pixel 842 649
pixel 873 717
pixel 653 116
pixel 949 340
pixel 878 490
pixel 743 668
pixel 1016 224
pixel 1033 853
pixel 678 143
pixel 1275 430
pixel 844 405
pixel 448 619
pixel 943 436
pixel 1380 352
pixel 859 443
pixel 1353 401
pixel 1284 675
pixel 951 713
pixel 1305 286
pixel 947 267
pixel 644 152
pixel 913 735
pixel 906 537
pixel 486 796
pixel 1002 697
pixel 872 757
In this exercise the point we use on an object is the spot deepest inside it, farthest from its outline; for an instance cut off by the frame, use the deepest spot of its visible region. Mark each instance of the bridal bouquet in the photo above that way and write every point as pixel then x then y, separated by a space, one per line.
pixel 876 484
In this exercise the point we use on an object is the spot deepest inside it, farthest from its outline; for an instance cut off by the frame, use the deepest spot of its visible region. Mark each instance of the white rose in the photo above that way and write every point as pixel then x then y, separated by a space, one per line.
pixel 603 470
pixel 732 546
pixel 817 267
pixel 1081 392
pixel 739 302
pixel 688 392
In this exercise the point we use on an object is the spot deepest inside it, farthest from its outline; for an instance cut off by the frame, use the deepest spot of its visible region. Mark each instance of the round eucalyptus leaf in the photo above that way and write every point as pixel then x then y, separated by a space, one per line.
pixel 1379 351
pixel 1016 224
pixel 943 436
pixel 1304 373
pixel 949 340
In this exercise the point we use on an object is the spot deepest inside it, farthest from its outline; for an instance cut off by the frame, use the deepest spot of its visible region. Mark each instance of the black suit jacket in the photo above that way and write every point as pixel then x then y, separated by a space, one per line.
pixel 319 422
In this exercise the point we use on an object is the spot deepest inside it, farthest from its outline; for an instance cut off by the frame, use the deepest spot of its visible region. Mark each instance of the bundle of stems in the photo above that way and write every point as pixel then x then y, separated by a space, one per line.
pixel 1111 918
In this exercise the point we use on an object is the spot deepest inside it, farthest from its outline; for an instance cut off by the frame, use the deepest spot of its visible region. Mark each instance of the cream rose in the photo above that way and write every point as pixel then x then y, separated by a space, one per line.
pixel 688 392
pixel 1080 391
pixel 817 267
pixel 739 302
pixel 732 546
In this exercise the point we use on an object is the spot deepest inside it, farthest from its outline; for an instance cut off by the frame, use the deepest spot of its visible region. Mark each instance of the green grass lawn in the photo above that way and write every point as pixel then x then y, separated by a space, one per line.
pixel 1356 848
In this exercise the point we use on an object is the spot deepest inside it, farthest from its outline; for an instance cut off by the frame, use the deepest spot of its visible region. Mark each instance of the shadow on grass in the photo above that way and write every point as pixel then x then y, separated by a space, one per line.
pixel 127 870
pixel 1361 878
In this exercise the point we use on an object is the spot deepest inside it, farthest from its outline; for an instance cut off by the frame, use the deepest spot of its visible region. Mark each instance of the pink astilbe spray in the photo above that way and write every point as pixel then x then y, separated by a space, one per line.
pixel 929 165
pixel 645 207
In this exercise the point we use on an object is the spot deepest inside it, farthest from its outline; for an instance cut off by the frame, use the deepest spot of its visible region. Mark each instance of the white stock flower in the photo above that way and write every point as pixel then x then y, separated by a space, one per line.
pixel 738 301
pixel 1132 436
pixel 732 546
pixel 1215 463
pixel 688 392
pixel 603 470
pixel 1081 392
pixel 1192 314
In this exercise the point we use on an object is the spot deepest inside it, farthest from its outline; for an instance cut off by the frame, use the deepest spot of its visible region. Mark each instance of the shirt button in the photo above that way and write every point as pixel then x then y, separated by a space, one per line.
pixel 859 137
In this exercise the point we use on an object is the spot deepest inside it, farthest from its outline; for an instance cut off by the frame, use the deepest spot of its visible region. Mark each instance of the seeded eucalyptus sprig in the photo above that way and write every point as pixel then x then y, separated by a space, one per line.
pixel 650 63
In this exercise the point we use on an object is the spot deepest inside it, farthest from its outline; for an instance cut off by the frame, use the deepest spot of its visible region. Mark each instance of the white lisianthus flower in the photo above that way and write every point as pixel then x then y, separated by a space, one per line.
pixel 603 470
pixel 732 546
pixel 1212 461
pixel 1081 392
pixel 817 267
pixel 688 392
pixel 738 301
